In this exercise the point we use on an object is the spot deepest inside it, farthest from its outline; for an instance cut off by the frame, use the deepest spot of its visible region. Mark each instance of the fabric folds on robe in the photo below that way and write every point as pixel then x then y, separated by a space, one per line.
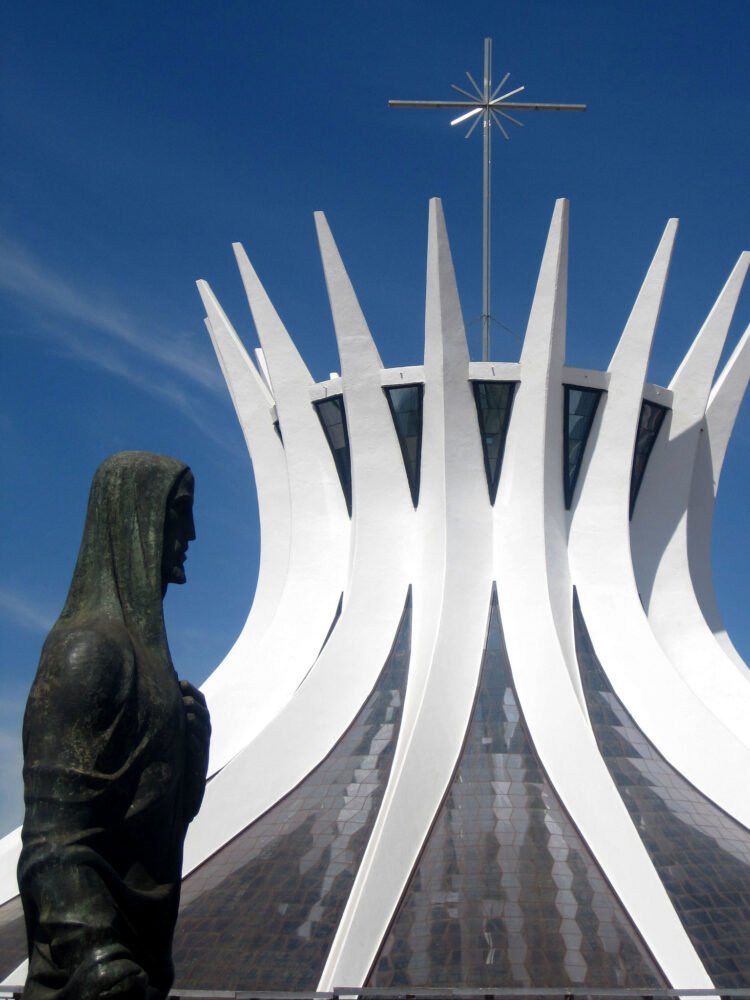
pixel 113 771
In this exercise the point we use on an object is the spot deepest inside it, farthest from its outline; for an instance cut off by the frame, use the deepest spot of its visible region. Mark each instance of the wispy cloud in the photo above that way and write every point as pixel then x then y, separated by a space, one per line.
pixel 25 613
pixel 109 360
pixel 25 276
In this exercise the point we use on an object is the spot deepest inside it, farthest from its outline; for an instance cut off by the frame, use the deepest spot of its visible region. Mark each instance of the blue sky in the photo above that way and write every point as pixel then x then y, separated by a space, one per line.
pixel 139 140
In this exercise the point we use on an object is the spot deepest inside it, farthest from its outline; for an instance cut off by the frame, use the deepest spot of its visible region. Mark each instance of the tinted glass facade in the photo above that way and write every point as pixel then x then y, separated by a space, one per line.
pixel 405 402
pixel 262 912
pixel 332 417
pixel 649 424
pixel 701 854
pixel 580 409
pixel 505 892
pixel 494 404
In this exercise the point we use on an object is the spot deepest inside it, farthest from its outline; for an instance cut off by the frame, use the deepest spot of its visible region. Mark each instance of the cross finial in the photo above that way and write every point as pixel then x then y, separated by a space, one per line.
pixel 487 105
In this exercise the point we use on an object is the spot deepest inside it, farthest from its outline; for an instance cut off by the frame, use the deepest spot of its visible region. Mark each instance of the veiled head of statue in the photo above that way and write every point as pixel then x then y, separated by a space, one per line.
pixel 179 530
pixel 138 525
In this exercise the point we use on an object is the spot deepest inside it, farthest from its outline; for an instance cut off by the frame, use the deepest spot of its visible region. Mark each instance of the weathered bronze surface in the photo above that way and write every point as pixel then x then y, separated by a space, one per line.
pixel 115 750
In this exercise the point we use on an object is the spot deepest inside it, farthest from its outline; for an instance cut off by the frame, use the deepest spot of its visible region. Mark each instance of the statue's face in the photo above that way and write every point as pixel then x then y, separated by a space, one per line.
pixel 179 530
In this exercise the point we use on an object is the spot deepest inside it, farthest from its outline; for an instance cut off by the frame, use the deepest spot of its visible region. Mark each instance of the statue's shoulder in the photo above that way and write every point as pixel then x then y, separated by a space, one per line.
pixel 94 638
pixel 85 681
pixel 91 657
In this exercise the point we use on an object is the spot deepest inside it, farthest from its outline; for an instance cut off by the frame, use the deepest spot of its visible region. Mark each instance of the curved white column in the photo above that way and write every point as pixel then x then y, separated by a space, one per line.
pixel 10 849
pixel 281 703
pixel 229 688
pixel 18 976
pixel 721 414
pixel 451 595
pixel 382 534
pixel 660 701
pixel 660 529
pixel 318 547
pixel 529 521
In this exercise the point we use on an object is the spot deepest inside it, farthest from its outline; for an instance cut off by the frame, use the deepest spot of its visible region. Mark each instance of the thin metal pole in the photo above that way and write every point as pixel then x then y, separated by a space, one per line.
pixel 486 196
pixel 487 108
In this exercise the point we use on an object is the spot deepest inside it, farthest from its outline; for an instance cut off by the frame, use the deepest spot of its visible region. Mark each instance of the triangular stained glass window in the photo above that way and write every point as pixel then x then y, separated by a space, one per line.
pixel 332 417
pixel 336 616
pixel 580 410
pixel 505 889
pixel 494 404
pixel 405 402
pixel 329 633
pixel 280 887
pixel 649 424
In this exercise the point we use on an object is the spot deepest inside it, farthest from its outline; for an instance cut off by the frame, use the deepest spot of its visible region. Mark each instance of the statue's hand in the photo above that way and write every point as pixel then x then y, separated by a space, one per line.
pixel 196 710
pixel 107 974
pixel 198 736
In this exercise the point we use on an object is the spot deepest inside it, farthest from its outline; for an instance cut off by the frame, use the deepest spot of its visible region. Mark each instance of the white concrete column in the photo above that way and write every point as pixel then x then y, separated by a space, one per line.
pixel 227 686
pixel 721 413
pixel 529 520
pixel 451 590
pixel 658 698
pixel 660 529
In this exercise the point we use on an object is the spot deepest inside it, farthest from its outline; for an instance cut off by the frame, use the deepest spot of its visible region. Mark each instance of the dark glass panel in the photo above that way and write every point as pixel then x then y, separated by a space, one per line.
pixel 332 417
pixel 649 424
pixel 12 937
pixel 494 404
pixel 336 616
pixel 580 409
pixel 505 892
pixel 701 854
pixel 405 402
pixel 262 912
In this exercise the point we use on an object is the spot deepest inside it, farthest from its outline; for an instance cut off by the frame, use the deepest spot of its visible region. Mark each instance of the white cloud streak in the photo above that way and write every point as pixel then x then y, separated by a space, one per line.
pixel 115 364
pixel 28 278
pixel 25 613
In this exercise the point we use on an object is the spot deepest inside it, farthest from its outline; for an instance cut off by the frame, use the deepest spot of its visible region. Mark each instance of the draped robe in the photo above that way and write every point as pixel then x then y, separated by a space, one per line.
pixel 114 768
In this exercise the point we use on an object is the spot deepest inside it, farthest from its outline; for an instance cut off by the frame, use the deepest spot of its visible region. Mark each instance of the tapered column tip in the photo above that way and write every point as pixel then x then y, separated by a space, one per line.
pixel 205 291
pixel 239 252
pixel 321 225
pixel 561 211
pixel 436 213
pixel 240 255
pixel 671 228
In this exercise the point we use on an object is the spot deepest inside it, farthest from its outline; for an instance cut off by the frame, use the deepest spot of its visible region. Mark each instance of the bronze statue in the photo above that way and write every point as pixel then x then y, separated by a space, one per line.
pixel 115 750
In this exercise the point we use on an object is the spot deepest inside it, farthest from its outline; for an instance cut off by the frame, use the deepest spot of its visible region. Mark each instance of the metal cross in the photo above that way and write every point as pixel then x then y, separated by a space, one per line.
pixel 486 106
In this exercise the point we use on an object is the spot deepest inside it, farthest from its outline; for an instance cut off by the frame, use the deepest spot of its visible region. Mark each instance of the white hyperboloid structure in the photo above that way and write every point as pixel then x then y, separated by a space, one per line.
pixel 483 727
